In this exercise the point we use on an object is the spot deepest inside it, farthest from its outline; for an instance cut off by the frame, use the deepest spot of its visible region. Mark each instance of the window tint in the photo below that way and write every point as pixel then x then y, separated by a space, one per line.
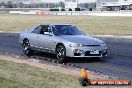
pixel 66 30
pixel 45 28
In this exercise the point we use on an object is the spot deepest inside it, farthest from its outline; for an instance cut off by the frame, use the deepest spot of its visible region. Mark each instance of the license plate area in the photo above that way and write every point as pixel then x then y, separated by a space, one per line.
pixel 94 52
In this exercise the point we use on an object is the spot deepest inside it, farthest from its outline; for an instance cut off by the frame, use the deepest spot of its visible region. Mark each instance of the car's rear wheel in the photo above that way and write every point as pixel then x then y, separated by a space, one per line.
pixel 26 48
pixel 61 53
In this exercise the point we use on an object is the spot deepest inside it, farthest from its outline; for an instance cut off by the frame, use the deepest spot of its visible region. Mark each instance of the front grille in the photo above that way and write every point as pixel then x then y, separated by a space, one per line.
pixel 87 53
pixel 77 54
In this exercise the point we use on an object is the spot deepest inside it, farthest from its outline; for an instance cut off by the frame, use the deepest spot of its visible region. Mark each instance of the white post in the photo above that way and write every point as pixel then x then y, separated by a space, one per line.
pixel 77 3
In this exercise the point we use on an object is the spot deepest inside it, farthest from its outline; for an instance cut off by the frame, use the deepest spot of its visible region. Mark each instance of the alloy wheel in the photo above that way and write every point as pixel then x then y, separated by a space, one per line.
pixel 61 53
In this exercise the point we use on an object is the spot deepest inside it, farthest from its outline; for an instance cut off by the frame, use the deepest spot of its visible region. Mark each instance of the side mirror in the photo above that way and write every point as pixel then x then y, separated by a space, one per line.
pixel 48 33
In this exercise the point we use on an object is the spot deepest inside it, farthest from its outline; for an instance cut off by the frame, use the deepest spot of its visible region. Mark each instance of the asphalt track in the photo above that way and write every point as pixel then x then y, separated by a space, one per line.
pixel 117 63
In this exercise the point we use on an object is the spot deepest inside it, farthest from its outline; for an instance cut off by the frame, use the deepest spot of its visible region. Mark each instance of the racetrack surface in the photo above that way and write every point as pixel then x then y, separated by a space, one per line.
pixel 117 63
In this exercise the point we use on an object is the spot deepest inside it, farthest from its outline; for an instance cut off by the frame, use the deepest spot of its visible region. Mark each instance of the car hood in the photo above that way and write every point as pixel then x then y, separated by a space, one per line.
pixel 81 39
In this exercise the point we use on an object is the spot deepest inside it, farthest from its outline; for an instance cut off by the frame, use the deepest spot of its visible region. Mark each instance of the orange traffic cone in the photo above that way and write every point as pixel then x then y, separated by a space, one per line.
pixel 84 81
pixel 84 73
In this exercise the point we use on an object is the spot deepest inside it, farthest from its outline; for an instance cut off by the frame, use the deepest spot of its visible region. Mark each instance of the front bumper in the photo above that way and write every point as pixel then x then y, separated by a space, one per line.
pixel 99 51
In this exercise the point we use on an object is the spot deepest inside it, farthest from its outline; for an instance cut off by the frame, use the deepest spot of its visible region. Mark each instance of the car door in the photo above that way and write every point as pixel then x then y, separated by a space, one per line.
pixel 44 38
pixel 52 40
pixel 48 41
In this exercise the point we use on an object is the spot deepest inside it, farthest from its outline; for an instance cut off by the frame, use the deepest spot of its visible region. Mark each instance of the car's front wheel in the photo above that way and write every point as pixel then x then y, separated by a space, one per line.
pixel 26 48
pixel 61 53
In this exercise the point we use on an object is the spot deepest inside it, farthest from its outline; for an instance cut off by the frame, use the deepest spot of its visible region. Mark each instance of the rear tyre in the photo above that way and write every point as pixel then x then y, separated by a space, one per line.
pixel 26 48
pixel 61 53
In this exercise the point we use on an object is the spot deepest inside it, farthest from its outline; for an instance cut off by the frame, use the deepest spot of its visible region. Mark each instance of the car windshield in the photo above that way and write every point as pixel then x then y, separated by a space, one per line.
pixel 66 30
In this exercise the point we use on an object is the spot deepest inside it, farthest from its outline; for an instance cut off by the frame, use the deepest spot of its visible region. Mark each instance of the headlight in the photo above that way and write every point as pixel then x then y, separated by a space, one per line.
pixel 77 45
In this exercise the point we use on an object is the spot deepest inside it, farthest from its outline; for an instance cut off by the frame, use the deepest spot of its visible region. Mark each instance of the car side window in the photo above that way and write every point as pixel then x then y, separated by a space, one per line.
pixel 37 30
pixel 45 28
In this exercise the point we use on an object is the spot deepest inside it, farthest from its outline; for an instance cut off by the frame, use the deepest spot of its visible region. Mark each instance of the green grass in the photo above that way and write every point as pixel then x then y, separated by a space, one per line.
pixel 13 75
pixel 88 24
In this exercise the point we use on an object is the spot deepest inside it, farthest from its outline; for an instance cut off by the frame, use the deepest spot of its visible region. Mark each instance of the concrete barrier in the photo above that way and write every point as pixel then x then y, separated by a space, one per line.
pixel 30 12
pixel 15 12
pixel 94 13
pixel 76 13
pixel 44 13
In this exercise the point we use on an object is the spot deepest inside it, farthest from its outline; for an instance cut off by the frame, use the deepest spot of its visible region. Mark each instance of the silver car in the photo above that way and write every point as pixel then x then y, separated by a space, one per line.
pixel 64 40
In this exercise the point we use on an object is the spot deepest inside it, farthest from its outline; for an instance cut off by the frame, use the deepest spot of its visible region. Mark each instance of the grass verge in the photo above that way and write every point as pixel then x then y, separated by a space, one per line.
pixel 21 75
pixel 88 24
pixel 13 75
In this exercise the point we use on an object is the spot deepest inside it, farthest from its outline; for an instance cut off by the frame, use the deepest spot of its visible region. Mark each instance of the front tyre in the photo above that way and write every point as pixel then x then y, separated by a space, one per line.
pixel 26 48
pixel 61 53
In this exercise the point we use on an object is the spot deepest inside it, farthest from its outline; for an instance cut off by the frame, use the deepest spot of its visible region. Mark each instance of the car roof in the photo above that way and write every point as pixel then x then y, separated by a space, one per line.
pixel 55 24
